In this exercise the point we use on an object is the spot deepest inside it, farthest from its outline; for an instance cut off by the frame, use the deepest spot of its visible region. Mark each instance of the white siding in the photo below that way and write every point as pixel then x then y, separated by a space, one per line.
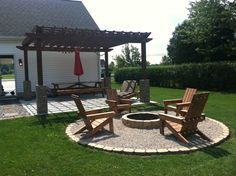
pixel 9 48
pixel 57 66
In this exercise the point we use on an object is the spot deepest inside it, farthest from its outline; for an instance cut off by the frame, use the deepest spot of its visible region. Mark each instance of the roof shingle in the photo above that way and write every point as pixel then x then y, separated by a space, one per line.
pixel 18 17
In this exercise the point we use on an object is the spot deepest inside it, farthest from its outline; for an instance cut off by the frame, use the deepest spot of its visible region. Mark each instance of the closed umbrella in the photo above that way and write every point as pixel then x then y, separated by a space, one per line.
pixel 78 68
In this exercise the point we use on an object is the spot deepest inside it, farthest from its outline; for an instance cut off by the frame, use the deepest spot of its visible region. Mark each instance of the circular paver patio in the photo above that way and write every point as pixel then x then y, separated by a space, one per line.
pixel 148 141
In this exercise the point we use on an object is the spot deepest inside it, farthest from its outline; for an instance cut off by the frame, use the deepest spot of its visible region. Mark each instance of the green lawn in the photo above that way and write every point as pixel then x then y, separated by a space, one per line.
pixel 29 148
pixel 10 76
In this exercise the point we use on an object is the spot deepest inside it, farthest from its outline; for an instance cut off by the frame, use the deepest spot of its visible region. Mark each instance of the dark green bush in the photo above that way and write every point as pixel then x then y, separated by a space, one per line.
pixel 207 76
pixel 6 69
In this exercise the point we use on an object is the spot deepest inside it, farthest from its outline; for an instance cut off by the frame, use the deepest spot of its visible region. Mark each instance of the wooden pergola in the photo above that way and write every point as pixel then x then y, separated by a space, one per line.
pixel 85 40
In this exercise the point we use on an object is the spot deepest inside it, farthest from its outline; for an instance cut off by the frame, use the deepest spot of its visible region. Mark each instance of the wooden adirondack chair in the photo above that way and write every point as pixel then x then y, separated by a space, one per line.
pixel 117 104
pixel 127 89
pixel 179 125
pixel 94 120
pixel 181 104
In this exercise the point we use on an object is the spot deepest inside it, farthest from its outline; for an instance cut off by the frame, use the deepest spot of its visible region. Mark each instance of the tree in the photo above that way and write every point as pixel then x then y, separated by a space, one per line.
pixel 130 57
pixel 181 49
pixel 111 66
pixel 207 35
pixel 120 62
pixel 166 60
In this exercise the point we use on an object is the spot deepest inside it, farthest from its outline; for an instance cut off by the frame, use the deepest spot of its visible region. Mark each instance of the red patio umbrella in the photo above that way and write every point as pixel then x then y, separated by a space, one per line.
pixel 78 68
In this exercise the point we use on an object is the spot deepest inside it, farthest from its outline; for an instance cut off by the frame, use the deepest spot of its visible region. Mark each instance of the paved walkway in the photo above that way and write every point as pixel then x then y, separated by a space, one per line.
pixel 15 109
pixel 10 109
pixel 66 104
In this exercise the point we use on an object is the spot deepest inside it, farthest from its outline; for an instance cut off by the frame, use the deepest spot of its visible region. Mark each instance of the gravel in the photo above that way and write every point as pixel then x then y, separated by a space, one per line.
pixel 126 137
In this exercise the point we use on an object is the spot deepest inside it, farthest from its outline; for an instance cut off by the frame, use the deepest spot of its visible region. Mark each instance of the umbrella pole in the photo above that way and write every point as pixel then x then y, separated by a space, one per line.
pixel 78 81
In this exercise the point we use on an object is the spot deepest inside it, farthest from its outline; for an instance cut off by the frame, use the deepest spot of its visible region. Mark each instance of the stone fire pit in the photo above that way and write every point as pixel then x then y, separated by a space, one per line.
pixel 142 120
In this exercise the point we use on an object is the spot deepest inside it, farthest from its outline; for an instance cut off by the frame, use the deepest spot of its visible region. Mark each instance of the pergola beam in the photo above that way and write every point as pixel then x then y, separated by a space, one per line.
pixel 63 49
pixel 53 38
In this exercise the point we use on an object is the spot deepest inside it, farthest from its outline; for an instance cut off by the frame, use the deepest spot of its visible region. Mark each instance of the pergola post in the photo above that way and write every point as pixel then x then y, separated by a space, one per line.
pixel 27 82
pixel 1 87
pixel 107 78
pixel 144 82
pixel 41 91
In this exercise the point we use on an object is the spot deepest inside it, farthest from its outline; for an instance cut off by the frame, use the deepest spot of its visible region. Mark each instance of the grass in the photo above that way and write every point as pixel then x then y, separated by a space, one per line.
pixel 9 76
pixel 28 147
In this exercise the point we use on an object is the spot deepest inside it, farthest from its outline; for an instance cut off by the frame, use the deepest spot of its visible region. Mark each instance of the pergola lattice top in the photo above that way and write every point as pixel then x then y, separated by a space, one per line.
pixel 69 39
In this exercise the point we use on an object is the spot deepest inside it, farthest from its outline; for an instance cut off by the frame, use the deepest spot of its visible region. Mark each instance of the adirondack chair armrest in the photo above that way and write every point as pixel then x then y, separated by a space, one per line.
pixel 184 104
pixel 179 106
pixel 172 101
pixel 172 118
pixel 94 111
pixel 183 112
pixel 129 95
pixel 112 104
pixel 125 101
pixel 109 114
pixel 111 101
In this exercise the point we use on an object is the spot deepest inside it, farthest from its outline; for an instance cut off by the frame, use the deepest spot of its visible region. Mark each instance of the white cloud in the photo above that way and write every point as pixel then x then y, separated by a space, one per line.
pixel 160 17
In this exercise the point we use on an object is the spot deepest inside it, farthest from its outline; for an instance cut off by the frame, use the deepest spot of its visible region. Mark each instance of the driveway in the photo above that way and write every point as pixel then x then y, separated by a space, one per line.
pixel 8 85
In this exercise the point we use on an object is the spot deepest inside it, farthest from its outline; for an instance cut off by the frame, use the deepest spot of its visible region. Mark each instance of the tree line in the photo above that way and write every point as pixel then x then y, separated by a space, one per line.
pixel 208 35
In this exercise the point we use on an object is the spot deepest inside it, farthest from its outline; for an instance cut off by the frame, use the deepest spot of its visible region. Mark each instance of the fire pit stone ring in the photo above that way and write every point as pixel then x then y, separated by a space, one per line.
pixel 141 120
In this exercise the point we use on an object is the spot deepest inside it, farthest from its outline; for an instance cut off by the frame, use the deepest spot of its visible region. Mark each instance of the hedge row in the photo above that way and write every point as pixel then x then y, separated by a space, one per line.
pixel 219 76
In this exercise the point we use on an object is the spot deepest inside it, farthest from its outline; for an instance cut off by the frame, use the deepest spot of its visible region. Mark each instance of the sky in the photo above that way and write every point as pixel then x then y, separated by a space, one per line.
pixel 160 17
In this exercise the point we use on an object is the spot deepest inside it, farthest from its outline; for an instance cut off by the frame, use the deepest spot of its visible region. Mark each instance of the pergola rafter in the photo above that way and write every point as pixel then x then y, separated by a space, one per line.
pixel 58 38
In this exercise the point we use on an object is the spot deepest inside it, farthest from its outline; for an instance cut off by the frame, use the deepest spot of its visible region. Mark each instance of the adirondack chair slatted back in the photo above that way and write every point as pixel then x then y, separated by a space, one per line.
pixel 194 113
pixel 188 95
pixel 128 86
pixel 82 111
pixel 124 86
pixel 112 95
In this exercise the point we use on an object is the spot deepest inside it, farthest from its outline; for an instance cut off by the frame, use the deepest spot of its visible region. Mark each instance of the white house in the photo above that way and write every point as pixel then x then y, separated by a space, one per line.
pixel 20 16
pixel 59 27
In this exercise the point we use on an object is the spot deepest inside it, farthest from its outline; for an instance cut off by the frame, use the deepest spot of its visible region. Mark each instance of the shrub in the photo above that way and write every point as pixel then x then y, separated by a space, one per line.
pixel 207 76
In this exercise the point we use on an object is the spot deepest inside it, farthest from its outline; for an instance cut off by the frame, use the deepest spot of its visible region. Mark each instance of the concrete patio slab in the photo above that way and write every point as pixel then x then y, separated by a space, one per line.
pixel 66 104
